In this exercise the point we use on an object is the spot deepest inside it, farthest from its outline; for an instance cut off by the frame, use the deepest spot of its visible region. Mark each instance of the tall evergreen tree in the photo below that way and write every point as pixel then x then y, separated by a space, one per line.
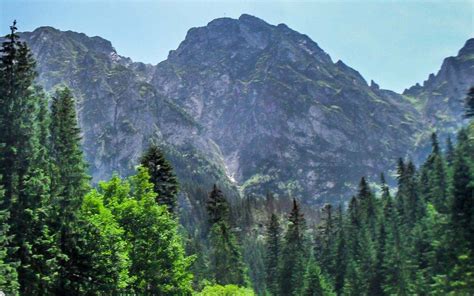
pixel 8 270
pixel 17 73
pixel 396 276
pixel 227 266
pixel 462 209
pixel 449 151
pixel 273 254
pixel 433 177
pixel 70 182
pixel 315 284
pixel 340 255
pixel 68 187
pixel 367 205
pixel 217 206
pixel 164 180
pixel 294 253
pixel 324 240
pixel 470 103
pixel 24 166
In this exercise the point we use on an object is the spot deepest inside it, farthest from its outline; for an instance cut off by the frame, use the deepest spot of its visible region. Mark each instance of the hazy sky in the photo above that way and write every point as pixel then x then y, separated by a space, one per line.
pixel 395 43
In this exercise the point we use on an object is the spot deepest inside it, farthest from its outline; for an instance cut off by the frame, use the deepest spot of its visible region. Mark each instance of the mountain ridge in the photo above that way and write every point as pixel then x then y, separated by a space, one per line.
pixel 231 90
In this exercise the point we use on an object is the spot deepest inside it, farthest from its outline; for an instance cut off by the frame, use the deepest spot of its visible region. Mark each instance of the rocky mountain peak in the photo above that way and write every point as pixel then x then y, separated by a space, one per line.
pixel 468 48
pixel 239 100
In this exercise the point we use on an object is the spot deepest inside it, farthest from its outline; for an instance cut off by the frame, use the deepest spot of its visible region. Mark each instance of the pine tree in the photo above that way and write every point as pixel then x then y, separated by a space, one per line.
pixel 462 209
pixel 470 103
pixel 164 180
pixel 315 283
pixel 378 277
pixel 226 260
pixel 69 185
pixel 227 266
pixel 273 250
pixel 294 253
pixel 70 182
pixel 8 270
pixel 449 151
pixel 253 249
pixel 217 206
pixel 25 169
pixel 433 178
pixel 368 207
pixel 340 255
pixel 353 282
pixel 396 274
pixel 17 73
pixel 399 201
pixel 324 240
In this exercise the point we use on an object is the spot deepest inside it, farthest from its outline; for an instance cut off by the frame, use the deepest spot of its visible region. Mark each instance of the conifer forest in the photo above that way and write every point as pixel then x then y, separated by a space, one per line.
pixel 138 199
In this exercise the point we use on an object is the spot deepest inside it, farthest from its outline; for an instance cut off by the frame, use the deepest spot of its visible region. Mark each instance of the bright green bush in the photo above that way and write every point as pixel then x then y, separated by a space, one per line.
pixel 228 290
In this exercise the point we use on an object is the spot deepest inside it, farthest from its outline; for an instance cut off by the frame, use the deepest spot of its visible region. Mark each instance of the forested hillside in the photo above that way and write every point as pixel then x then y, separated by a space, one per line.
pixel 63 234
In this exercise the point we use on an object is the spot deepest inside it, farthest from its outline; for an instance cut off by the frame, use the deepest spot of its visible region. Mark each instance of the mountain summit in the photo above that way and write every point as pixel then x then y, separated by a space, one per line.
pixel 242 102
pixel 284 115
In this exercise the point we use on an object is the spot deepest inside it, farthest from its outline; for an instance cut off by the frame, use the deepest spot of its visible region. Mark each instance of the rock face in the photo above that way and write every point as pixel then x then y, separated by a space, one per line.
pixel 284 115
pixel 247 103
pixel 120 113
pixel 440 99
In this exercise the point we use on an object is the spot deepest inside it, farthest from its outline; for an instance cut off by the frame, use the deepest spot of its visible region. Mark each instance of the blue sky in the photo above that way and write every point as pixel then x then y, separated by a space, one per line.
pixel 395 43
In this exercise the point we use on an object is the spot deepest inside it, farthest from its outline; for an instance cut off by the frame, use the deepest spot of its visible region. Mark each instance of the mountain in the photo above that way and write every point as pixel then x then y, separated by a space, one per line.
pixel 440 98
pixel 120 113
pixel 250 105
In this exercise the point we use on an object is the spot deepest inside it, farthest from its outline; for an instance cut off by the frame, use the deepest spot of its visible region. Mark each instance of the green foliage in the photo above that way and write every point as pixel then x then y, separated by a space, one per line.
pixel 227 290
pixel 8 273
pixel 315 283
pixel 105 245
pixel 151 234
pixel 225 257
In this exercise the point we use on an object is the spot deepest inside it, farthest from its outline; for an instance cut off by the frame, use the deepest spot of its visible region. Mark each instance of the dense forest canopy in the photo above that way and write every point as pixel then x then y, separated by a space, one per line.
pixel 60 235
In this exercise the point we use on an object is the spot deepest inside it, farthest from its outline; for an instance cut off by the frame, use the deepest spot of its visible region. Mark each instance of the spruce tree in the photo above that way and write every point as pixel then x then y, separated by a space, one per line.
pixel 433 178
pixel 462 207
pixel 8 270
pixel 227 266
pixel 25 169
pixel 396 276
pixel 315 284
pixel 164 180
pixel 69 185
pixel 70 182
pixel 470 103
pixel 217 206
pixel 324 240
pixel 449 151
pixel 273 253
pixel 294 253
pixel 340 255
pixel 368 207
pixel 378 277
